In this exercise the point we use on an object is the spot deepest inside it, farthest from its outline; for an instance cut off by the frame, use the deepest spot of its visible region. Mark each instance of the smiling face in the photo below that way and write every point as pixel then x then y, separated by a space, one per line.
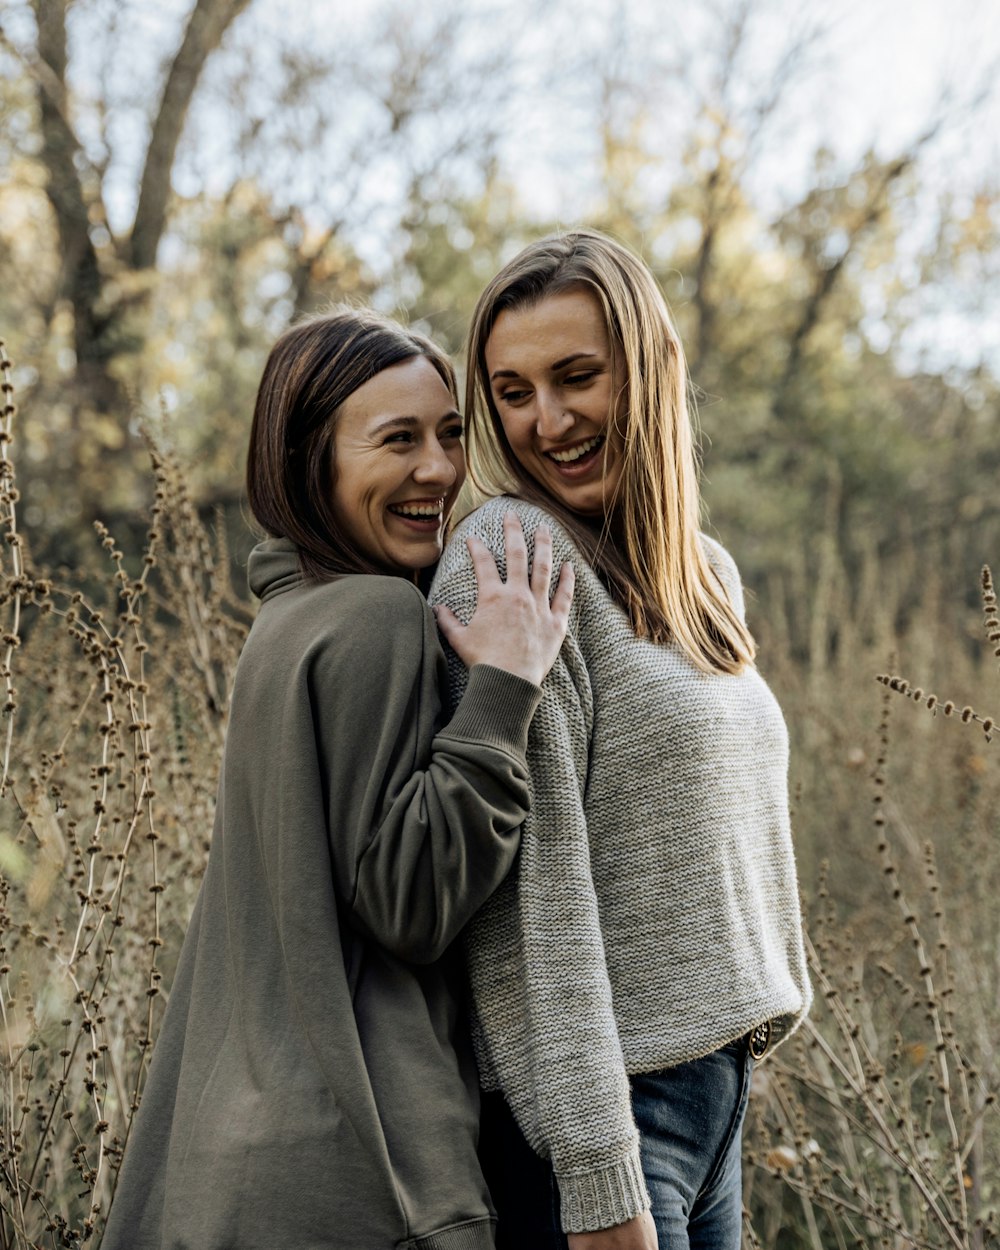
pixel 554 374
pixel 398 465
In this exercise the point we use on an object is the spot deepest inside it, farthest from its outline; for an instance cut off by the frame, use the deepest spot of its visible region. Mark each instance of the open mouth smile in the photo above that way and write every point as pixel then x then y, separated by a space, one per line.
pixel 579 457
pixel 425 513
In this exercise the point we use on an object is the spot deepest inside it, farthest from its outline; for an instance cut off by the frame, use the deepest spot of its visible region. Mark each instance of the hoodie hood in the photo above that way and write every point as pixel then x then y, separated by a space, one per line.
pixel 273 567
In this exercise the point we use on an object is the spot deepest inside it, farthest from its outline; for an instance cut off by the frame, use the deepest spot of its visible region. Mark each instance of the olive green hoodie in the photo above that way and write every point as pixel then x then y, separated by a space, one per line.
pixel 311 1085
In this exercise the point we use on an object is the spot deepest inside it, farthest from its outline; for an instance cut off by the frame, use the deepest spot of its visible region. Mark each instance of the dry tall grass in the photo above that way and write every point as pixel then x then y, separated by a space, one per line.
pixel 875 1126
pixel 117 688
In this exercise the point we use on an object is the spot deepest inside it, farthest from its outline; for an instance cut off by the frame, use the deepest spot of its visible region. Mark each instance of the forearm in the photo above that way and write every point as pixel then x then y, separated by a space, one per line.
pixel 565 1076
pixel 451 833
pixel 542 992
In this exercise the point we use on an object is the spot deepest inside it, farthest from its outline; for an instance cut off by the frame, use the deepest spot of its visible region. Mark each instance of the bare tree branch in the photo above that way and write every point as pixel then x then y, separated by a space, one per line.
pixel 724 183
pixel 206 27
pixel 827 277
pixel 48 82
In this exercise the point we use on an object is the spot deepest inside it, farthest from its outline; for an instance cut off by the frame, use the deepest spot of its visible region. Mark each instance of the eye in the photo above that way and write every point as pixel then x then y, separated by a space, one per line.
pixel 578 379
pixel 399 436
pixel 453 431
pixel 513 395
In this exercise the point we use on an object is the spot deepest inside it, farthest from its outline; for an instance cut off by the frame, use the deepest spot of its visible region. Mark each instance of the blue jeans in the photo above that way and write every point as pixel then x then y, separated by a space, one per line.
pixel 690 1119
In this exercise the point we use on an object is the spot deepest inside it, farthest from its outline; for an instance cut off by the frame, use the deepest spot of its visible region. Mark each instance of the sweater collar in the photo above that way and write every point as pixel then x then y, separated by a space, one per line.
pixel 273 567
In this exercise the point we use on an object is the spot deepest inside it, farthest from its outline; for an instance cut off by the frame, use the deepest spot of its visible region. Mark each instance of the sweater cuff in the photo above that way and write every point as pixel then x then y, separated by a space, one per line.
pixel 603 1197
pixel 496 708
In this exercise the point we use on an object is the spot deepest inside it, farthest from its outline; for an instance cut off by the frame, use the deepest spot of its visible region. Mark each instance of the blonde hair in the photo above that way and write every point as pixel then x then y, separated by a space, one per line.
pixel 648 552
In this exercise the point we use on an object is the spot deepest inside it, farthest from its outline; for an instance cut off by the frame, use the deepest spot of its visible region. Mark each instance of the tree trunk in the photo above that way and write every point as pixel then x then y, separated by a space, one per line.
pixel 81 281
pixel 209 21
pixel 98 321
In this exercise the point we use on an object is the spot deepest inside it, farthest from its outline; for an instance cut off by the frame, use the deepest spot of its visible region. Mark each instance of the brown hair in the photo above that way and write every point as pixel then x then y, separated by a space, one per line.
pixel 648 552
pixel 311 370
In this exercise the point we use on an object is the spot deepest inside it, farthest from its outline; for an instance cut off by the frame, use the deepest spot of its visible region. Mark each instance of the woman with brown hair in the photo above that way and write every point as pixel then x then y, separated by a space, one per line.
pixel 647 948
pixel 311 1085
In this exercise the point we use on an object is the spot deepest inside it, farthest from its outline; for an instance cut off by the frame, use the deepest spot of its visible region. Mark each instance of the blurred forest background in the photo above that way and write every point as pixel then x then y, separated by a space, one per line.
pixel 816 187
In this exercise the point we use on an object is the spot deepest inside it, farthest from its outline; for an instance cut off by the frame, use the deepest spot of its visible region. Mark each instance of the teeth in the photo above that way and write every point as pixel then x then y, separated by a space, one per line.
pixel 574 453
pixel 422 511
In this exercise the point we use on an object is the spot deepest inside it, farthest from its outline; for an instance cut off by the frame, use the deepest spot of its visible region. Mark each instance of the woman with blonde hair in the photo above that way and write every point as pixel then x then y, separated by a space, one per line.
pixel 647 949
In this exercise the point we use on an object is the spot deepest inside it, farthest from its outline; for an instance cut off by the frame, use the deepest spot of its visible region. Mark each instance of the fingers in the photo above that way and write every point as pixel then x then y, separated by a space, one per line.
pixel 448 623
pixel 484 565
pixel 516 549
pixel 538 580
pixel 562 600
pixel 515 626
pixel 541 564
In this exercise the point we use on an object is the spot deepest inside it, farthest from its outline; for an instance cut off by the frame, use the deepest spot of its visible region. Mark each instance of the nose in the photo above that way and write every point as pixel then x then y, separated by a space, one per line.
pixel 552 420
pixel 435 467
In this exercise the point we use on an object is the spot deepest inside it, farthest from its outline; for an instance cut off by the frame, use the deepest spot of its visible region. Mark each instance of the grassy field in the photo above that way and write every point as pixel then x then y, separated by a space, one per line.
pixel 875 1126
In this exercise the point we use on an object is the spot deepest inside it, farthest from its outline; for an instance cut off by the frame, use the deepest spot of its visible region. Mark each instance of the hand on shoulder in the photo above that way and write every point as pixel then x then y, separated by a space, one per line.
pixel 515 625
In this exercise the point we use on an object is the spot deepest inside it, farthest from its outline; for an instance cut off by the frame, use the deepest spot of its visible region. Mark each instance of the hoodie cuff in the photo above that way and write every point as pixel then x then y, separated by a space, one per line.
pixel 496 708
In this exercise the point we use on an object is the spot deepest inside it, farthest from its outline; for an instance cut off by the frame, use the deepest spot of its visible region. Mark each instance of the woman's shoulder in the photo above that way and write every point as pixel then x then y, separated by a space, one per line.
pixel 378 610
pixel 346 619
pixel 490 514
pixel 350 597
pixel 718 556
pixel 486 523
pixel 376 634
pixel 381 592
pixel 455 579
pixel 724 567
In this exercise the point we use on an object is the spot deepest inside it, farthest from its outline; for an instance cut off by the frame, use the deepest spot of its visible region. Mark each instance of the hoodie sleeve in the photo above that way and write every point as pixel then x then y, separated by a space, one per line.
pixel 424 817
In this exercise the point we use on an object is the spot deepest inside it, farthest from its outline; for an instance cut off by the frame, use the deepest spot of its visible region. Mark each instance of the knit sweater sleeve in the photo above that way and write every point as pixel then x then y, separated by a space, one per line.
pixel 424 816
pixel 542 997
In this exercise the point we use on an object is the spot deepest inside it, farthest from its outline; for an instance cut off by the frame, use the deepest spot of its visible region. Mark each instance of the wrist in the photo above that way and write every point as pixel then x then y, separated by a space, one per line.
pixel 497 708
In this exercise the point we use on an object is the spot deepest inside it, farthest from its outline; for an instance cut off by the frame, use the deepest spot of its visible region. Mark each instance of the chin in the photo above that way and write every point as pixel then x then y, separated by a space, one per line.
pixel 585 500
pixel 580 504
pixel 589 505
pixel 415 563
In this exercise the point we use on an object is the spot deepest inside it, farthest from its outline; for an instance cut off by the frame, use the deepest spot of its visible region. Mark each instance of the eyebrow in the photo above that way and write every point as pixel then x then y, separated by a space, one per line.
pixel 553 368
pixel 411 423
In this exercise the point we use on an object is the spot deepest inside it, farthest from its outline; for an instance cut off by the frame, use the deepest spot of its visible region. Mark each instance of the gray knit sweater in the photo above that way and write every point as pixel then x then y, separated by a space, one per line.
pixel 653 914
